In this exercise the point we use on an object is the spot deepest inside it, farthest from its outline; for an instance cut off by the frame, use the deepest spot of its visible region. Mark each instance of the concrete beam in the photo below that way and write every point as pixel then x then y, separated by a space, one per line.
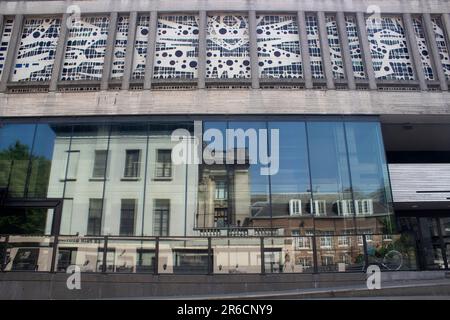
pixel 304 47
pixel 201 69
pixel 253 49
pixel 59 54
pixel 325 49
pixel 345 49
pixel 110 41
pixel 14 45
pixel 365 50
pixel 129 54
pixel 432 46
pixel 414 50
pixel 150 59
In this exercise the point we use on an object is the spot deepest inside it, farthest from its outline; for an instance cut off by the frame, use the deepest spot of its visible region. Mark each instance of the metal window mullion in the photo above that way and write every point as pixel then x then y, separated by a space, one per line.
pixel 129 53
pixel 110 41
pixel 325 49
pixel 105 252
pixel 253 49
pixel 365 50
pixel 151 46
pixel 59 54
pixel 345 49
pixel 201 71
pixel 414 49
pixel 14 44
pixel 304 47
pixel 431 37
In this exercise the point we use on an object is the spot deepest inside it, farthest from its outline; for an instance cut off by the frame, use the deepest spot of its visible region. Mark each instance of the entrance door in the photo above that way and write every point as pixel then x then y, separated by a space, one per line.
pixel 433 251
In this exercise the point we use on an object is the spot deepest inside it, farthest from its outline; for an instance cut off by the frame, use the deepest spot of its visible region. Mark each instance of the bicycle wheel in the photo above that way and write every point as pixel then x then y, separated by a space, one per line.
pixel 393 260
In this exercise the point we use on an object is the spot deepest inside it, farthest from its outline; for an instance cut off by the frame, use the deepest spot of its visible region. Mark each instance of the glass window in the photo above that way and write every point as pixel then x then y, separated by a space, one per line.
pixel 221 190
pixel 335 47
pixel 94 227
pixel 127 217
pixel 370 181
pixel 100 159
pixel 331 189
pixel 161 217
pixel 120 47
pixel 164 164
pixel 140 47
pixel 132 163
pixel 291 185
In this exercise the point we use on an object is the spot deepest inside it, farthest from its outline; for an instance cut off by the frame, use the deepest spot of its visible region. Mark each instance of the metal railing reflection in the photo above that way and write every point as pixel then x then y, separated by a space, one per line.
pixel 208 255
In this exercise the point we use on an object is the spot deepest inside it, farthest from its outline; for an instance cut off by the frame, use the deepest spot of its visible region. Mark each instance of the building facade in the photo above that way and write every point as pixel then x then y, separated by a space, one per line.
pixel 224 136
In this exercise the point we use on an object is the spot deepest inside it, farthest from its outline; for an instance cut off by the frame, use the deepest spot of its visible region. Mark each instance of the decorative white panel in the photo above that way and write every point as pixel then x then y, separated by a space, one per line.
pixel 176 53
pixel 278 47
pixel 36 55
pixel 227 47
pixel 355 48
pixel 388 47
pixel 335 48
pixel 85 49
pixel 423 48
pixel 120 47
pixel 140 47
pixel 442 46
pixel 5 40
pixel 312 30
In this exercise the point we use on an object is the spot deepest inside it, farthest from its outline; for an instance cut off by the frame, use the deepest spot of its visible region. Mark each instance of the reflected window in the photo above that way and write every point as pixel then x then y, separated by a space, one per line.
pixel 100 164
pixel 132 163
pixel 161 217
pixel 95 217
pixel 127 217
pixel 164 164
pixel 221 190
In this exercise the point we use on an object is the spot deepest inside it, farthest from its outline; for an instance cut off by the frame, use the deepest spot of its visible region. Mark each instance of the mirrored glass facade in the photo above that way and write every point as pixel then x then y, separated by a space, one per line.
pixel 305 177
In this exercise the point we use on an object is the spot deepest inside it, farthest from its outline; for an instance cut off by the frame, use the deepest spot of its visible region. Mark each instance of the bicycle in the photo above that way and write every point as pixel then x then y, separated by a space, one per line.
pixel 392 261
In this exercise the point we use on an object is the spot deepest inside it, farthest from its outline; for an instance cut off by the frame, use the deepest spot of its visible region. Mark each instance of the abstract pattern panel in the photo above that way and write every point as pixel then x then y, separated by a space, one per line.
pixel 120 47
pixel 442 46
pixel 85 49
pixel 36 54
pixel 335 48
pixel 388 47
pixel 176 53
pixel 419 34
pixel 312 31
pixel 4 42
pixel 355 48
pixel 278 47
pixel 227 41
pixel 140 47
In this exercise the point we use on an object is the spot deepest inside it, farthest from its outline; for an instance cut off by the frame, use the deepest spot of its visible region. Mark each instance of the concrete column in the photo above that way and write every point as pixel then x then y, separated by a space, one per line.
pixel 59 54
pixel 304 47
pixel 128 64
pixel 345 49
pixel 1 26
pixel 107 63
pixel 201 69
pixel 149 61
pixel 325 49
pixel 253 49
pixel 432 46
pixel 14 45
pixel 365 50
pixel 414 50
pixel 446 25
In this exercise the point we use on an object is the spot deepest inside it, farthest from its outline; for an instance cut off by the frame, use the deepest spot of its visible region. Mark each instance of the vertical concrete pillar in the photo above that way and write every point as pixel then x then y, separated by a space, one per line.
pixel 446 22
pixel 14 45
pixel 149 61
pixel 365 50
pixel 345 49
pixel 201 69
pixel 253 49
pixel 107 63
pixel 1 26
pixel 414 50
pixel 129 54
pixel 59 54
pixel 432 46
pixel 325 49
pixel 304 47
